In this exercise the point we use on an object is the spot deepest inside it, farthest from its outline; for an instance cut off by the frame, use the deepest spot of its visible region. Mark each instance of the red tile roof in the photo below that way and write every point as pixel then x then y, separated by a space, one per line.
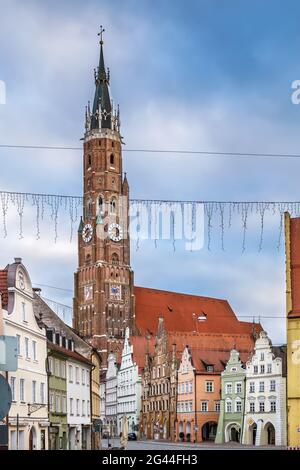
pixel 141 346
pixel 295 265
pixel 67 352
pixel 3 287
pixel 180 312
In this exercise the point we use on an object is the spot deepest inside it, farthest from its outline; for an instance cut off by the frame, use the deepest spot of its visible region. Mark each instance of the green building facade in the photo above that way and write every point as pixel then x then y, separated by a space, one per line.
pixel 233 383
pixel 58 432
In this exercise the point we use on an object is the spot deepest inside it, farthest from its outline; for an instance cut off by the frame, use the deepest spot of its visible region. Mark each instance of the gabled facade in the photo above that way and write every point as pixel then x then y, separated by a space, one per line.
pixel 265 412
pixel 232 405
pixel 111 414
pixel 79 402
pixel 28 416
pixel 186 399
pixel 160 388
pixel 129 388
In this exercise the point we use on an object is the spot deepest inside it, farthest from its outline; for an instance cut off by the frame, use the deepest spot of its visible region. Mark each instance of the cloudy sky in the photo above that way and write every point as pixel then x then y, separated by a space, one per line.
pixel 199 75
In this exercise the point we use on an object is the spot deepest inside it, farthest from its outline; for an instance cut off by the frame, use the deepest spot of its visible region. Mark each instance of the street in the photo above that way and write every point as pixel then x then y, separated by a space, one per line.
pixel 176 446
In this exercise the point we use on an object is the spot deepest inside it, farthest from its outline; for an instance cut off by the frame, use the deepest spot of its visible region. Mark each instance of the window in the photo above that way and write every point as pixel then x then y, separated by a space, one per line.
pixel 217 406
pixel 210 368
pixel 56 365
pixel 77 407
pixel 209 386
pixel 238 406
pixel 13 388
pixel 24 312
pixel 204 406
pixel 228 387
pixel 273 406
pixel 228 406
pixel 50 362
pixel 19 344
pixel 272 386
pixel 77 375
pixel 113 205
pixel 89 161
pixel 70 374
pixel 252 387
pixel 262 369
pixel 262 356
pixel 62 369
pixel 88 408
pixel 33 391
pixel 57 404
pixel 252 407
pixel 64 404
pixel 51 397
pixel 27 348
pixel 112 159
pixel 42 393
pixel 269 368
pixel 83 408
pixel 22 389
pixel 255 369
pixel 261 386
pixel 83 376
pixel 261 406
pixel 238 387
pixel 34 350
pixel 71 406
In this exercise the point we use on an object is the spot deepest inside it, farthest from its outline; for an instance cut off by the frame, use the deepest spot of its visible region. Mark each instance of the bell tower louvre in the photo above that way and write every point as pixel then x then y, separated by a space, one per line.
pixel 103 284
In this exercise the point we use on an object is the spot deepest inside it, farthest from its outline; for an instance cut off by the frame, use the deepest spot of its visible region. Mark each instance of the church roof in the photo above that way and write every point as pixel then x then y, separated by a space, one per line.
pixel 181 313
pixel 141 346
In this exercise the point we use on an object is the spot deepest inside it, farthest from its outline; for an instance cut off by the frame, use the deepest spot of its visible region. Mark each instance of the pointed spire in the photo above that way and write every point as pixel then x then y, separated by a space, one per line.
pixel 102 106
pixel 81 225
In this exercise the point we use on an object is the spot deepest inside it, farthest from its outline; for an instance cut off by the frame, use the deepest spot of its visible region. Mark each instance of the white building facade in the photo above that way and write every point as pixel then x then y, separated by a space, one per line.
pixel 265 405
pixel 28 415
pixel 129 388
pixel 111 396
pixel 79 403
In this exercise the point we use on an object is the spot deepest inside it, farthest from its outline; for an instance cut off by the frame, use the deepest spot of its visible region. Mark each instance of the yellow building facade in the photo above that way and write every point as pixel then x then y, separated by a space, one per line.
pixel 292 248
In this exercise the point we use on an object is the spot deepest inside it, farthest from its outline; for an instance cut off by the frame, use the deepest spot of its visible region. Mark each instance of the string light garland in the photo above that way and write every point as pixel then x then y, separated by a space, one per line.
pixel 182 219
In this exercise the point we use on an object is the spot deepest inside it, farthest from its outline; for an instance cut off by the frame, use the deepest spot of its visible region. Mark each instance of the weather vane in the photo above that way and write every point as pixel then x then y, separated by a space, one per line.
pixel 101 34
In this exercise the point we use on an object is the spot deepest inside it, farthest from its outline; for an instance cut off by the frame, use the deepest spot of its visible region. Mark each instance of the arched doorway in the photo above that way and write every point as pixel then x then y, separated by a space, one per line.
pixel 253 431
pixel 235 434
pixel 188 431
pixel 209 431
pixel 268 435
pixel 32 439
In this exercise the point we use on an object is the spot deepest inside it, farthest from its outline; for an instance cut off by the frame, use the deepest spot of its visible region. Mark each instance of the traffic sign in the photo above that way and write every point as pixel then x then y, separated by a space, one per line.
pixel 5 394
pixel 8 353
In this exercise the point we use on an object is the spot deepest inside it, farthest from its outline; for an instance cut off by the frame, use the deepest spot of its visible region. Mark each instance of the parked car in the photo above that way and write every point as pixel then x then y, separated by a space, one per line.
pixel 132 436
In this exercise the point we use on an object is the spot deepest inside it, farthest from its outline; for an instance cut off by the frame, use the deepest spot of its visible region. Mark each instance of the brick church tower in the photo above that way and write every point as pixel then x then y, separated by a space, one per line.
pixel 104 298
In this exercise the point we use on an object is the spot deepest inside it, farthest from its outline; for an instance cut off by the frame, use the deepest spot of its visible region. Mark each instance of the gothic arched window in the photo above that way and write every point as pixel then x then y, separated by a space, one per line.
pixel 113 206
pixel 88 259
pixel 115 259
pixel 112 159
pixel 89 208
pixel 100 205
pixel 89 160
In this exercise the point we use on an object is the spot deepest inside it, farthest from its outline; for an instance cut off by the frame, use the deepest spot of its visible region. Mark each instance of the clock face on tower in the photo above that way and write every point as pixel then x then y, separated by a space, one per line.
pixel 115 232
pixel 87 233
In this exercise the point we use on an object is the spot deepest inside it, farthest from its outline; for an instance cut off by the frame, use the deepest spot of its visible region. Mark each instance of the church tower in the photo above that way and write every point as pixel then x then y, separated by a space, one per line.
pixel 104 299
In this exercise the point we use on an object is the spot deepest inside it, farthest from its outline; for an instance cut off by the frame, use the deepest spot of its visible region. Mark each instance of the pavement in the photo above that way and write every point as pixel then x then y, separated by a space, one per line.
pixel 166 445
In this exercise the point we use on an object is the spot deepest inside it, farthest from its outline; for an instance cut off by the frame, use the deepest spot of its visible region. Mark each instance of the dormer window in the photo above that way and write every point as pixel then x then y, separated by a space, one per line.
pixel 210 368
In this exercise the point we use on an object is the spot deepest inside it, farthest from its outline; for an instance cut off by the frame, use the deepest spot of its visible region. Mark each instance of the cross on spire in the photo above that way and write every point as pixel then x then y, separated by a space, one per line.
pixel 102 30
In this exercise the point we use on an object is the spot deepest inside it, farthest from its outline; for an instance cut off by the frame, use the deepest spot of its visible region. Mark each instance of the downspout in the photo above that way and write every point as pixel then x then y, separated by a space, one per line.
pixel 244 410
